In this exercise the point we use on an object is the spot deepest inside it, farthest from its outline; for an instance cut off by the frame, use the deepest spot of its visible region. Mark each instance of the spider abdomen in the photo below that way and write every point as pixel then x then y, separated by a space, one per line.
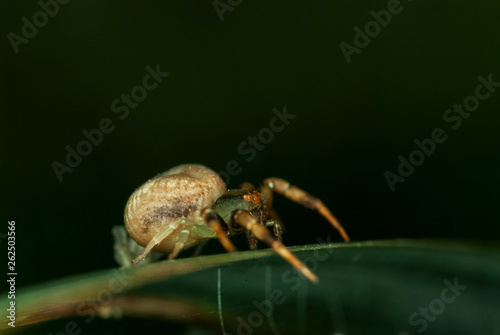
pixel 181 192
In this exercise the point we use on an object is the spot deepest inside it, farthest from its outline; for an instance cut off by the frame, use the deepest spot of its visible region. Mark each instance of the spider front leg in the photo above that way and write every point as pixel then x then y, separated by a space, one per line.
pixel 217 224
pixel 296 194
pixel 250 223
pixel 274 220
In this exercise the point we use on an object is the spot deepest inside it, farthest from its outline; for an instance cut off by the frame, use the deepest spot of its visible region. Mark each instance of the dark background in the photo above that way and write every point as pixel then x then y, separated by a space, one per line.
pixel 353 120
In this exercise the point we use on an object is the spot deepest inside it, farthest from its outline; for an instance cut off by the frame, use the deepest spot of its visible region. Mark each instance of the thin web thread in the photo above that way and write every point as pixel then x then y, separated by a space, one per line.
pixel 219 301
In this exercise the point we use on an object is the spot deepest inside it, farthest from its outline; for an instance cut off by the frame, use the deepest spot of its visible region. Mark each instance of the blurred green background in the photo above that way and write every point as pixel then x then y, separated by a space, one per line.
pixel 352 119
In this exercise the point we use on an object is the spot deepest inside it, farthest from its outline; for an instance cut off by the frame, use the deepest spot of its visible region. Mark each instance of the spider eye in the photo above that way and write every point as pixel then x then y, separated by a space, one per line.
pixel 252 197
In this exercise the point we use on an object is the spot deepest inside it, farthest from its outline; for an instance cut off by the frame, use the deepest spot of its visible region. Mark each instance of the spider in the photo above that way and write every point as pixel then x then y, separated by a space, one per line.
pixel 190 203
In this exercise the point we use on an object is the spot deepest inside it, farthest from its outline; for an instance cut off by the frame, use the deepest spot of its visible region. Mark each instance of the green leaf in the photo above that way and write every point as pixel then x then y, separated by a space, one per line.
pixel 397 287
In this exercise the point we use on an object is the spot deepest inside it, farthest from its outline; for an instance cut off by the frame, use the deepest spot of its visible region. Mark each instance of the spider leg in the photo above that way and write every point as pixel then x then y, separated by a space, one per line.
pixel 266 194
pixel 273 215
pixel 277 228
pixel 162 234
pixel 121 246
pixel 296 194
pixel 218 225
pixel 277 224
pixel 246 220
pixel 262 219
pixel 252 241
pixel 183 236
pixel 247 186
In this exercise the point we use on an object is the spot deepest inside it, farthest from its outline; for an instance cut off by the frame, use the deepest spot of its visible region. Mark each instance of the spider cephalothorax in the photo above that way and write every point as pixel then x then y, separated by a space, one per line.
pixel 189 204
pixel 239 199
